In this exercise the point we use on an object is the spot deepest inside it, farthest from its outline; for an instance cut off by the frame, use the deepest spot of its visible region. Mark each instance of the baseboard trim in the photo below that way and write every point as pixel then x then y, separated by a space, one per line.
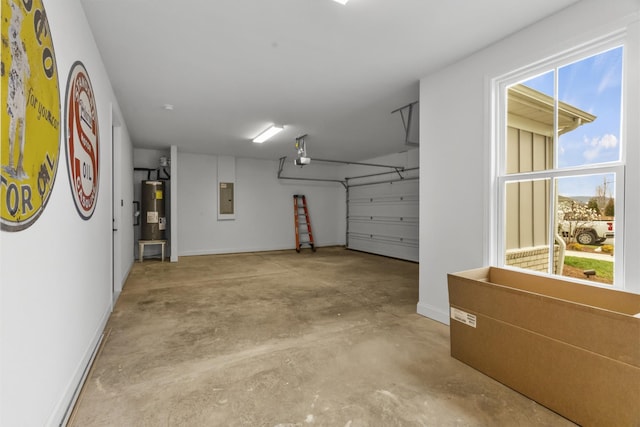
pixel 248 250
pixel 64 408
pixel 433 313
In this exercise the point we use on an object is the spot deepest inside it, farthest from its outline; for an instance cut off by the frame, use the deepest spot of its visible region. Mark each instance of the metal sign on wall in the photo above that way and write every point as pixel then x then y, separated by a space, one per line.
pixel 82 137
pixel 30 114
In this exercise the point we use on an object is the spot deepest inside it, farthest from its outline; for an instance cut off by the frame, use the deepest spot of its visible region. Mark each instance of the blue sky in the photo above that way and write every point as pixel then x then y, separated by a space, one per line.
pixel 594 85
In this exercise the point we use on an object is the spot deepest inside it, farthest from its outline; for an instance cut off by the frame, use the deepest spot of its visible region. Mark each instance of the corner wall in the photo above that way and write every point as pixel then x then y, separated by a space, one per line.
pixel 455 182
pixel 56 288
pixel 264 205
pixel 263 210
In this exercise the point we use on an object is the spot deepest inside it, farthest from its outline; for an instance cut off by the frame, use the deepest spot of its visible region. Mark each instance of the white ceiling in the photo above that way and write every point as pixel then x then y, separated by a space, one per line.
pixel 233 67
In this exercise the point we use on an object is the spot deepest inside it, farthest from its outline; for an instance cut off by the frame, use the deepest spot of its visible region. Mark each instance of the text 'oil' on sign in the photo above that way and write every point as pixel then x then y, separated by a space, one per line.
pixel 82 140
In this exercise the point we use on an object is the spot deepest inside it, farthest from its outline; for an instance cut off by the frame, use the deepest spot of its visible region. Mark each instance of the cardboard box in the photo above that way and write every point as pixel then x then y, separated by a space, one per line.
pixel 572 348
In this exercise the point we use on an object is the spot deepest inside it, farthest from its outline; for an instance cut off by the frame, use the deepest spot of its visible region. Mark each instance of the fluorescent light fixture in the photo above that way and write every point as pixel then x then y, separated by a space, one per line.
pixel 268 133
pixel 341 1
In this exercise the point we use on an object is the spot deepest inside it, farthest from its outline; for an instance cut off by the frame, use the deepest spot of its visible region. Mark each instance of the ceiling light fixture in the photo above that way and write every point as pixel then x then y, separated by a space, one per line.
pixel 268 133
pixel 341 1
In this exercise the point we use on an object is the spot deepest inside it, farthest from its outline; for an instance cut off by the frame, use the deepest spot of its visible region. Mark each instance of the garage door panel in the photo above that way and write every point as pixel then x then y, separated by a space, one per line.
pixel 383 219
pixel 386 246
pixel 405 229
pixel 383 189
pixel 399 210
pixel 390 199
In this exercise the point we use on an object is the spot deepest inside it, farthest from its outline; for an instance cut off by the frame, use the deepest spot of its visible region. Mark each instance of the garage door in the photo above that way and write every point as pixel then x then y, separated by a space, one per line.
pixel 383 219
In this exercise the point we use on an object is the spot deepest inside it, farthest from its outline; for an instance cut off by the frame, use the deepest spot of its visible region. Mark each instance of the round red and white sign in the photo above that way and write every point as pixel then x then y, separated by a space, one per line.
pixel 82 136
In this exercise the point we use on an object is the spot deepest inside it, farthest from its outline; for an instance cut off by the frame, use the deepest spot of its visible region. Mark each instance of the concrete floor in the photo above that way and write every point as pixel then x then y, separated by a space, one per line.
pixel 330 338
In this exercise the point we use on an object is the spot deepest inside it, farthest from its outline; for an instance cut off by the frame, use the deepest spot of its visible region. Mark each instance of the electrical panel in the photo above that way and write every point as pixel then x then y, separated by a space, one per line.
pixel 226 198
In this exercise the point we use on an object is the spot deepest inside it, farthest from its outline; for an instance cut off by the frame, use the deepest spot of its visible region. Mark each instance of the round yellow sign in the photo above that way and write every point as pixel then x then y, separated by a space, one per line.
pixel 30 114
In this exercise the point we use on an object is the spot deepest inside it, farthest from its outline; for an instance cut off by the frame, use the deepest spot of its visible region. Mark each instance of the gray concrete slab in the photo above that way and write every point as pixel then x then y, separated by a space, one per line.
pixel 330 338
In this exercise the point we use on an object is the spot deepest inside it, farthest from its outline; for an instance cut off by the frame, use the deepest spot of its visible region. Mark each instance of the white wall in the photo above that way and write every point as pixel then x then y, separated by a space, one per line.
pixel 174 202
pixel 263 211
pixel 56 288
pixel 264 205
pixel 455 166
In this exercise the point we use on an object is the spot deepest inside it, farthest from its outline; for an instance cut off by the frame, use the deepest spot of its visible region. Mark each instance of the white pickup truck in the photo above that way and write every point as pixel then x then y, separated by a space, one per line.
pixel 588 232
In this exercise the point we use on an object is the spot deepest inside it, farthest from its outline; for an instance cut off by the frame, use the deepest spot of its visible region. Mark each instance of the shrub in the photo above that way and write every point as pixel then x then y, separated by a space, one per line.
pixel 575 246
pixel 607 249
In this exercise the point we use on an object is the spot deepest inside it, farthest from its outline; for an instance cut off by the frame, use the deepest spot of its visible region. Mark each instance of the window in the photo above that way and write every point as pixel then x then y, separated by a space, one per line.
pixel 560 168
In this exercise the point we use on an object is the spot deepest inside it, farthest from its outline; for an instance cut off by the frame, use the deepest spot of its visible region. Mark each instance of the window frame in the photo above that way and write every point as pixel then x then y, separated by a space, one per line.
pixel 499 177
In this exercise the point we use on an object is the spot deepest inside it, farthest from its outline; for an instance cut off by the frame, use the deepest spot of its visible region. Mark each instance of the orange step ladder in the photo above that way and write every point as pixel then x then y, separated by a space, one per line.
pixel 302 222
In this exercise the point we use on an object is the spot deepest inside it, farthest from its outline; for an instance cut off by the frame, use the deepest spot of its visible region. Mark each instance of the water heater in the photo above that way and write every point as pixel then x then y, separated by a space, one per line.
pixel 154 221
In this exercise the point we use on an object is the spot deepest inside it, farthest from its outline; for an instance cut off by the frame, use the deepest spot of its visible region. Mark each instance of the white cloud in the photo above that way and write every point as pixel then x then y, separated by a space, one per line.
pixel 609 141
pixel 591 155
pixel 609 80
pixel 597 145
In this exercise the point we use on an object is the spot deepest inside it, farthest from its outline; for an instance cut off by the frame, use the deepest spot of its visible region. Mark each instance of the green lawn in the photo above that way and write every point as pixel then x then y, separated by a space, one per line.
pixel 603 269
